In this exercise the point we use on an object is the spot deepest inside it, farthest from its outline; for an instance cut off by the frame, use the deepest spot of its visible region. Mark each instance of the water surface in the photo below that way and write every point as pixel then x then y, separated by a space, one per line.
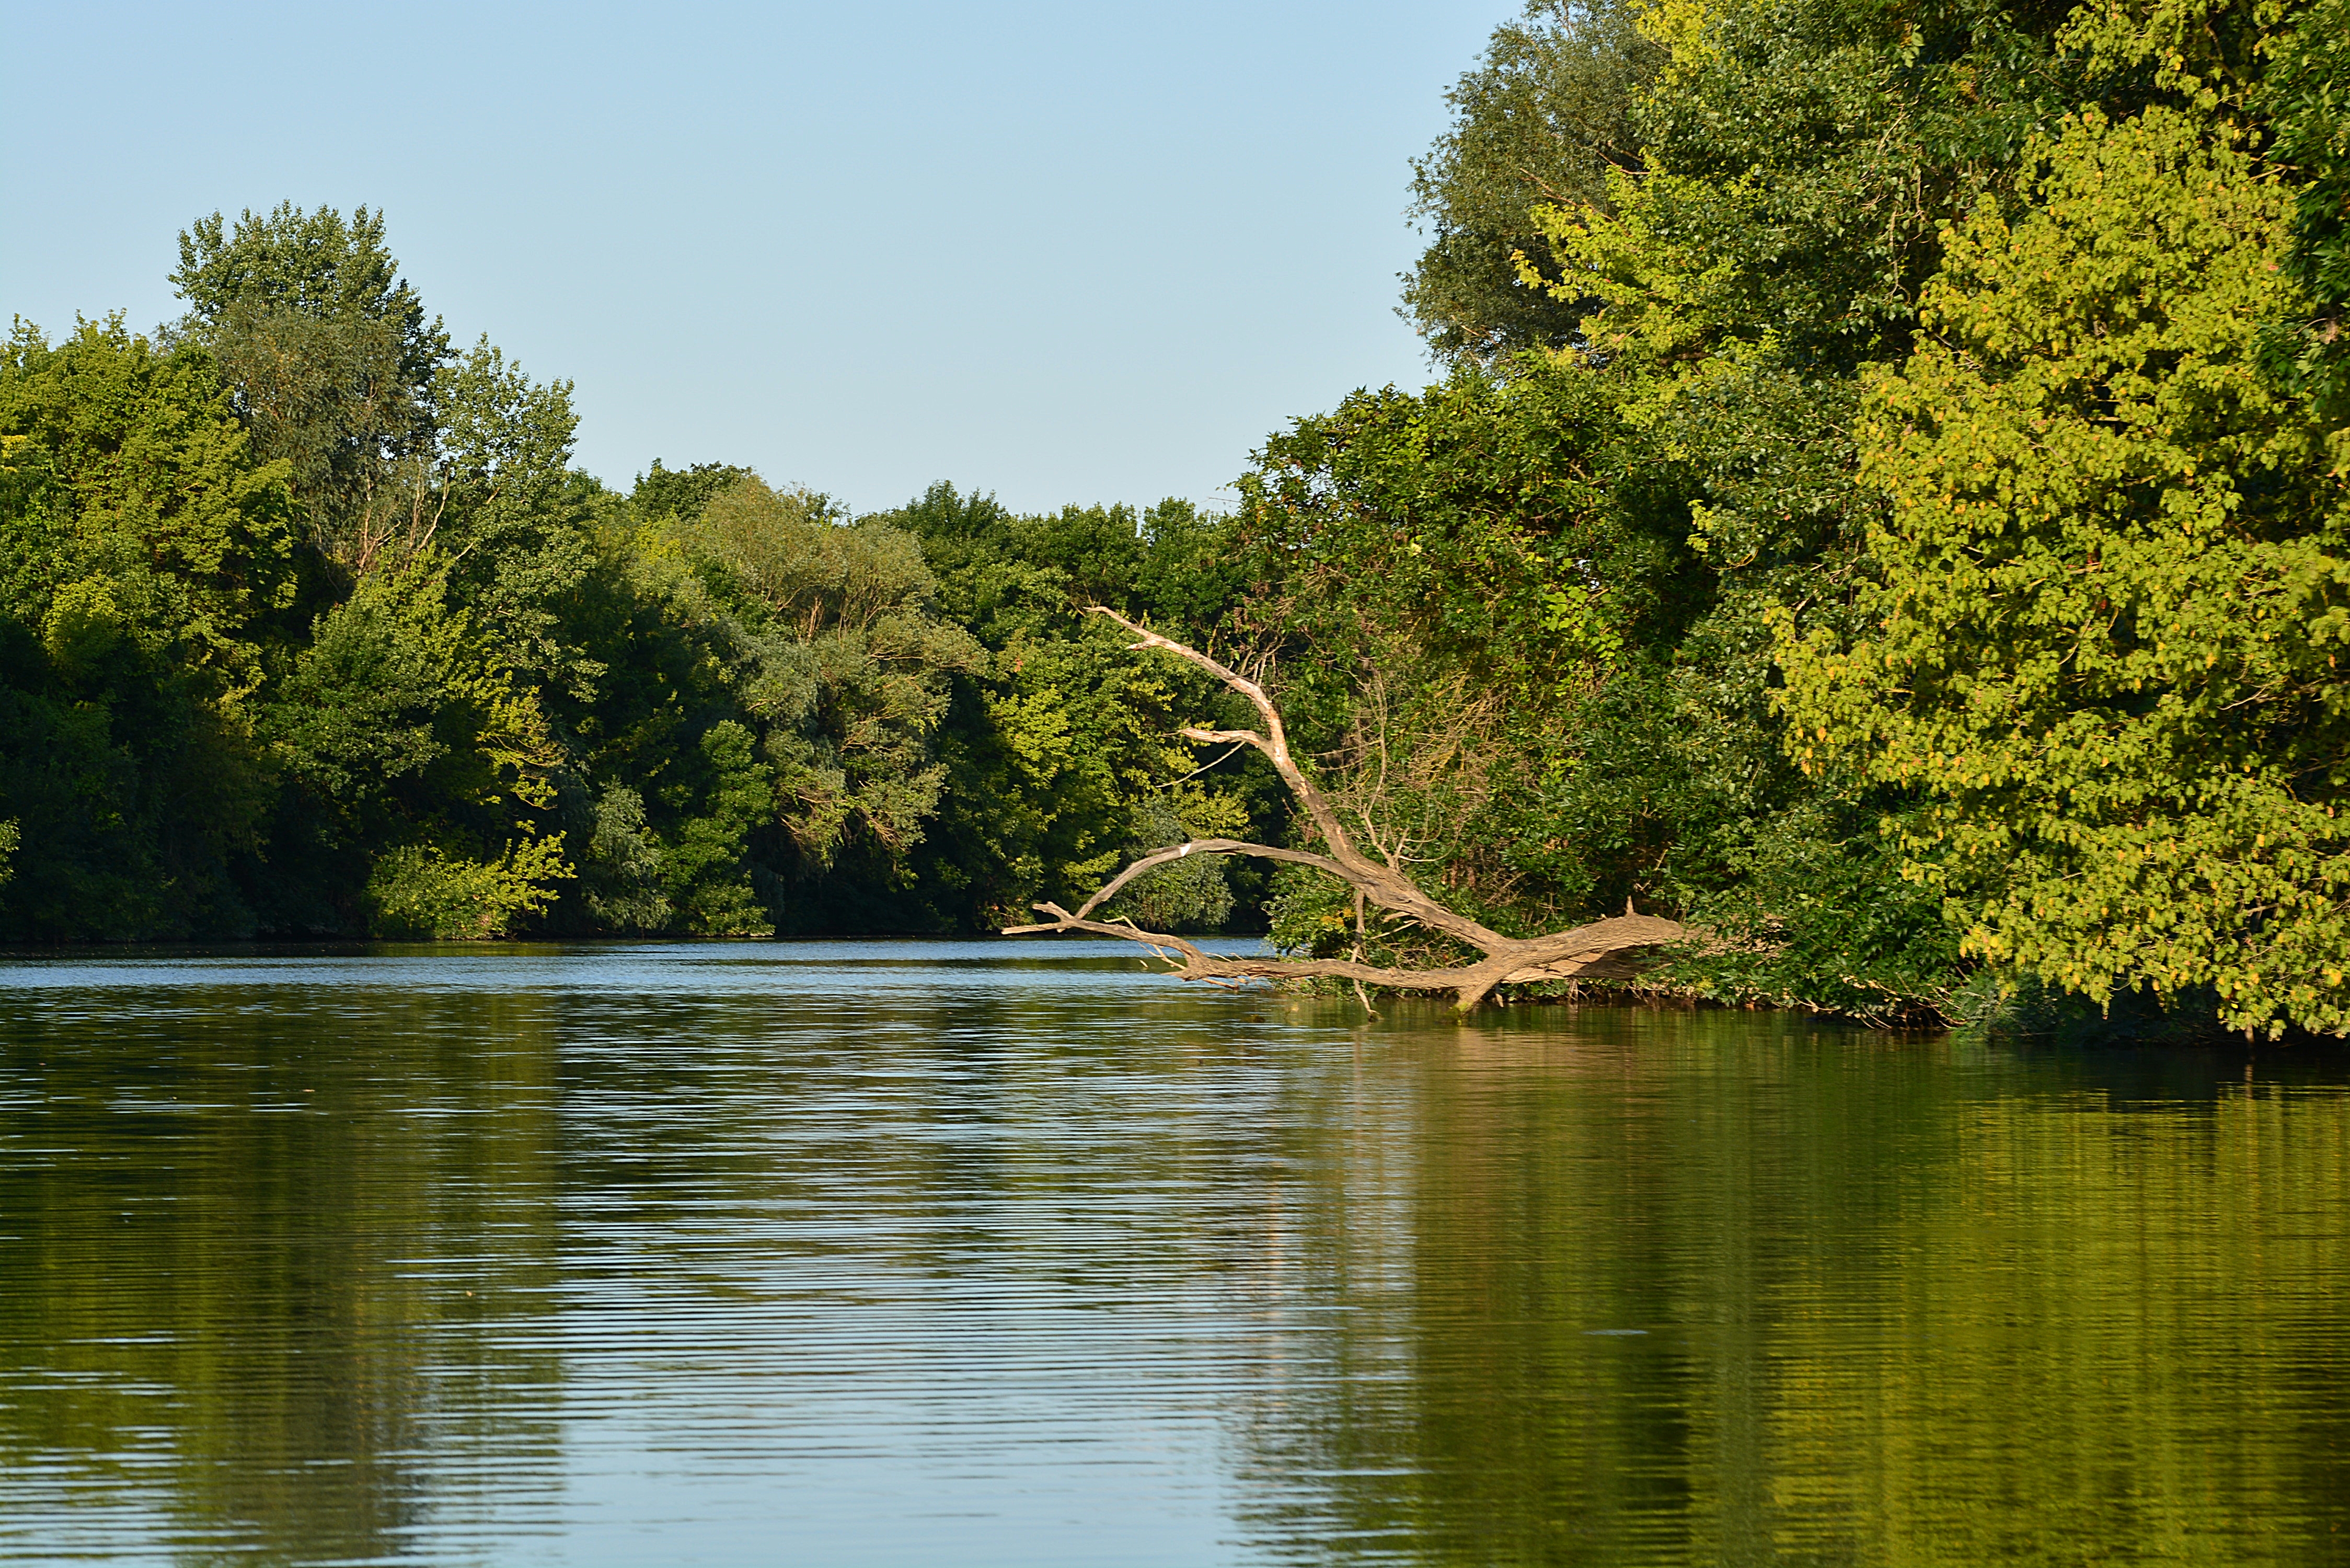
pixel 989 1253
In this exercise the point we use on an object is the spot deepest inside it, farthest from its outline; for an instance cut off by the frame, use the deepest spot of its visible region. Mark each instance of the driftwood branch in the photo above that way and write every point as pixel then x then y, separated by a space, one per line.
pixel 1604 949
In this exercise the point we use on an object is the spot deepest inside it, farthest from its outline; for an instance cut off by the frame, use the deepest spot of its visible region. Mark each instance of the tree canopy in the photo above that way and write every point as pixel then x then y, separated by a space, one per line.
pixel 1882 509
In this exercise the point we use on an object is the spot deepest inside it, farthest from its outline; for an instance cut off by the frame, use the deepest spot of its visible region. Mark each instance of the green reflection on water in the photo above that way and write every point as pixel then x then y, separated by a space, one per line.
pixel 1595 1288
pixel 1713 1290
pixel 232 1249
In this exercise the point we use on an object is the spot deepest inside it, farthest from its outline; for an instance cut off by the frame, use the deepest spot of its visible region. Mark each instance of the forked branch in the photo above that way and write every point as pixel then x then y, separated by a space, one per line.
pixel 1604 949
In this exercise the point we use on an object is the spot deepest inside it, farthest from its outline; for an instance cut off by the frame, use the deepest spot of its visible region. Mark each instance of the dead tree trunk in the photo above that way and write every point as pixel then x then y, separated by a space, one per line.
pixel 1604 949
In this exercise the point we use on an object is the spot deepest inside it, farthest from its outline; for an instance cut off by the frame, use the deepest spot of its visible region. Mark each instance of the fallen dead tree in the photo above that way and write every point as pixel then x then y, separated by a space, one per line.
pixel 1604 949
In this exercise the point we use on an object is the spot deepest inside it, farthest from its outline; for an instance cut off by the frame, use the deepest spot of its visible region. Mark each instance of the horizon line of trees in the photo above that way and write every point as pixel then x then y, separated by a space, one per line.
pixel 1885 504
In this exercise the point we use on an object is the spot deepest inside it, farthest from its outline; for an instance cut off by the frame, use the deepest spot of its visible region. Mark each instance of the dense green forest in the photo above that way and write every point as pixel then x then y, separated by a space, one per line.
pixel 1885 504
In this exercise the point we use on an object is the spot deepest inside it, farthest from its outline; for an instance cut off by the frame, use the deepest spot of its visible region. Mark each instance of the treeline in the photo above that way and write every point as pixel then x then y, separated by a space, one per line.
pixel 1886 505
pixel 311 628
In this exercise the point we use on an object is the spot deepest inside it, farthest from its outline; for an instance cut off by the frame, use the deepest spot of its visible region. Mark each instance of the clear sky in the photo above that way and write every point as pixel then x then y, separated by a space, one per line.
pixel 1058 252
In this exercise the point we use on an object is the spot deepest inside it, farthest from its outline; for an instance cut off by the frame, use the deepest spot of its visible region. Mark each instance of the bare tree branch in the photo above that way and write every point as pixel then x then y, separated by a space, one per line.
pixel 1203 847
pixel 1383 885
pixel 1610 949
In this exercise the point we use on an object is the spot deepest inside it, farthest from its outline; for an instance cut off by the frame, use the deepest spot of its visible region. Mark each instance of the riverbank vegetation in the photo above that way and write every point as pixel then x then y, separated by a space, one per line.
pixel 1884 505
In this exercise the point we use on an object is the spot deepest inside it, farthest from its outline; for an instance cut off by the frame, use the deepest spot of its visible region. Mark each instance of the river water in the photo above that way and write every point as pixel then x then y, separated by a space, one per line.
pixel 991 1253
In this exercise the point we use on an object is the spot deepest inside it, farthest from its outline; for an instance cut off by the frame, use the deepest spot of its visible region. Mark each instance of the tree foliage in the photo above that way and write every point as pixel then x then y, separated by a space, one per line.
pixel 311 625
pixel 2109 590
pixel 1883 511
pixel 1541 119
pixel 327 351
pixel 144 571
pixel 1060 749
pixel 1966 372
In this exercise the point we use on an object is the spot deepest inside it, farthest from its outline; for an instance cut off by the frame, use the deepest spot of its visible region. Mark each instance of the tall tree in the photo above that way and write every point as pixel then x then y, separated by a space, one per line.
pixel 1540 120
pixel 2109 592
pixel 329 354
pixel 1587 556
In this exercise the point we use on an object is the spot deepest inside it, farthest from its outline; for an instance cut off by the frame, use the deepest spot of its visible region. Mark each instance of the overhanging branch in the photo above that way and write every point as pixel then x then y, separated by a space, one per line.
pixel 1610 949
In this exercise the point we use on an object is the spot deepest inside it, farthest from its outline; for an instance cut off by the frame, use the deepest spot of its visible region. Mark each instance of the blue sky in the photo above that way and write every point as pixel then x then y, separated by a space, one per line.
pixel 1060 252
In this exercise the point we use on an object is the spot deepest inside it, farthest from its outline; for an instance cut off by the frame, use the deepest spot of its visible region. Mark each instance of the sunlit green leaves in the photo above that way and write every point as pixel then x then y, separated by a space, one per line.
pixel 140 513
pixel 2110 589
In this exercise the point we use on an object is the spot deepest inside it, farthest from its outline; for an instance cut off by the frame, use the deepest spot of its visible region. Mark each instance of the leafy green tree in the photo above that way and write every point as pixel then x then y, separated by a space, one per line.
pixel 145 524
pixel 444 530
pixel 507 511
pixel 393 442
pixel 846 657
pixel 2109 589
pixel 309 607
pixel 334 366
pixel 1496 635
pixel 1540 120
pixel 420 891
pixel 1190 895
pixel 634 770
pixel 423 766
pixel 412 729
pixel 756 748
pixel 622 880
pixel 681 494
pixel 1448 576
pixel 1544 609
pixel 1800 162
pixel 704 878
pixel 144 562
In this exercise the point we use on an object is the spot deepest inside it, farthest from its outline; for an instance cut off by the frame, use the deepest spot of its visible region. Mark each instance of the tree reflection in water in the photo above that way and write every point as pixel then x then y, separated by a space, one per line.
pixel 950 1253
pixel 1715 1288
